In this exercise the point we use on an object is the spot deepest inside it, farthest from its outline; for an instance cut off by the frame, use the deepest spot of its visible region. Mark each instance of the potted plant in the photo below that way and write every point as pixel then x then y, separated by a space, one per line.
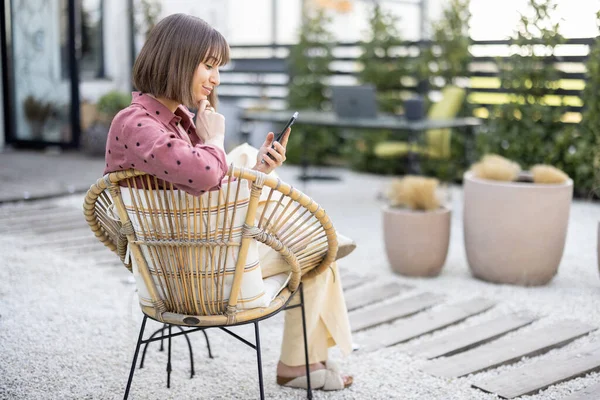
pixel 515 223
pixel 416 227
pixel 591 119
pixel 37 113
pixel 102 115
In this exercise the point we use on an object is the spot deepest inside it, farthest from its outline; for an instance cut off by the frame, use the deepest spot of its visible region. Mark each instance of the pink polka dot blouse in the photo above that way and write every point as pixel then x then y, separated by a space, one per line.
pixel 149 137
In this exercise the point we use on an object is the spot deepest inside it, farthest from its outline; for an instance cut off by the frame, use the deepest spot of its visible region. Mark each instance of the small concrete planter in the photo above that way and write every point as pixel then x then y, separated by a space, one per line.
pixel 416 242
pixel 515 232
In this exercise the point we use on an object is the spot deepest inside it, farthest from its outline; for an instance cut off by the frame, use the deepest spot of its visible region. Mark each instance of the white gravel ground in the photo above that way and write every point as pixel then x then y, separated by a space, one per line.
pixel 68 326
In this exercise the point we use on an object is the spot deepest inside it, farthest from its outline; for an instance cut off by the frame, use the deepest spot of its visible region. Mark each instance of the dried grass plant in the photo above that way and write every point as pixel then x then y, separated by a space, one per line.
pixel 415 193
pixel 547 174
pixel 497 168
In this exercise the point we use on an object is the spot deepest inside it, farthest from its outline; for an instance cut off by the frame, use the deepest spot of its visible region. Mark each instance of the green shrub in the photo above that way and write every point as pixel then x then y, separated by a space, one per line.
pixel 387 71
pixel 394 75
pixel 111 103
pixel 448 56
pixel 309 69
pixel 383 67
pixel 357 150
pixel 527 129
pixel 590 123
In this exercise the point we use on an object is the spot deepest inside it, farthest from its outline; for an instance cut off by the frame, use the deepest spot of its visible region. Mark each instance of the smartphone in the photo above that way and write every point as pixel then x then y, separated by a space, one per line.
pixel 279 136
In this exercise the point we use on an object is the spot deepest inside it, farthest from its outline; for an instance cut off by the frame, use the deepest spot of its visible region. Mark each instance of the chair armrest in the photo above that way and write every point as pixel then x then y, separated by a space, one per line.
pixel 108 230
pixel 293 224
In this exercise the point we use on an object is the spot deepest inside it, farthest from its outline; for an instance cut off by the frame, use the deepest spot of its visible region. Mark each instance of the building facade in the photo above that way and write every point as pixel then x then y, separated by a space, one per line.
pixel 58 55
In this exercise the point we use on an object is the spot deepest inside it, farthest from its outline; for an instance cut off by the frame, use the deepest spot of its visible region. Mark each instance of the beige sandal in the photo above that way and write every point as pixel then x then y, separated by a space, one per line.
pixel 328 378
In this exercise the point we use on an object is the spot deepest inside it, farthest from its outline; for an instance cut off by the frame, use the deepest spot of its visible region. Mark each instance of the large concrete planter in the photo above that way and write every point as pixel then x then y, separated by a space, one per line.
pixel 515 232
pixel 416 242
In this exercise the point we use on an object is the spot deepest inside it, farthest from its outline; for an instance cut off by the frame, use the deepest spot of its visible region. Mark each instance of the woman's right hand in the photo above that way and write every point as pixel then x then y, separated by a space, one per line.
pixel 210 125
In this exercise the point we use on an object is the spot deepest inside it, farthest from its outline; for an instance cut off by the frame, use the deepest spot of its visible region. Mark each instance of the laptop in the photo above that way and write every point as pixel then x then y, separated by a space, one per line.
pixel 354 101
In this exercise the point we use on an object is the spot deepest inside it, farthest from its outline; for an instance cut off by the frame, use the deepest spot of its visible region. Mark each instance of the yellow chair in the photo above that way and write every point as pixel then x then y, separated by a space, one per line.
pixel 437 140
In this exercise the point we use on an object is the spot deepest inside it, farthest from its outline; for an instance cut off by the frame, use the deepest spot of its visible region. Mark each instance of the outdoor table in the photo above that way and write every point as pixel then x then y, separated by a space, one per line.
pixel 395 123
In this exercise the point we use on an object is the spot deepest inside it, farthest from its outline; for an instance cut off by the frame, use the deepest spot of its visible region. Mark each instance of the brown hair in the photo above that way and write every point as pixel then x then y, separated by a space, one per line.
pixel 175 47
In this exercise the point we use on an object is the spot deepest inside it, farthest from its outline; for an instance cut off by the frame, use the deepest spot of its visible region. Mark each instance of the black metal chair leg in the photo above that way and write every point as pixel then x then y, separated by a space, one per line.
pixel 259 362
pixel 134 362
pixel 191 353
pixel 162 345
pixel 161 330
pixel 207 344
pixel 189 343
pixel 306 361
pixel 169 360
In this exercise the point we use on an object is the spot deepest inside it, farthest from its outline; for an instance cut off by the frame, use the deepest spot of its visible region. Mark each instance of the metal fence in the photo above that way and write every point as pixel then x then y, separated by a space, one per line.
pixel 258 74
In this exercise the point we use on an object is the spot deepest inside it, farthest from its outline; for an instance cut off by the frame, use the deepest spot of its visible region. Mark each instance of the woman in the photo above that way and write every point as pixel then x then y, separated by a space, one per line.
pixel 177 69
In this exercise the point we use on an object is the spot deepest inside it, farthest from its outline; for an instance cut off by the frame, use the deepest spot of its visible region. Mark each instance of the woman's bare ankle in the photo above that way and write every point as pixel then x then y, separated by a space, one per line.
pixel 287 371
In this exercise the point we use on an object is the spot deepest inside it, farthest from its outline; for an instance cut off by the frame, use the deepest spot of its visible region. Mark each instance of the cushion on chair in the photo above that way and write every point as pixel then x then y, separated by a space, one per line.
pixel 393 149
pixel 254 292
pixel 438 140
pixel 450 104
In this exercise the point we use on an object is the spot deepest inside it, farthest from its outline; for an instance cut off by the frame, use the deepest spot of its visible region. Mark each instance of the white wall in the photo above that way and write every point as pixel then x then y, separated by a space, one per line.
pixel 117 63
pixel 213 12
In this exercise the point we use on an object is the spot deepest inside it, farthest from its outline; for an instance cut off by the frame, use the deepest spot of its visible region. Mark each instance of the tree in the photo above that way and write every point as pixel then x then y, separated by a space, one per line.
pixel 382 65
pixel 309 63
pixel 528 129
pixel 309 71
pixel 590 122
pixel 449 54
pixel 150 11
pixel 524 129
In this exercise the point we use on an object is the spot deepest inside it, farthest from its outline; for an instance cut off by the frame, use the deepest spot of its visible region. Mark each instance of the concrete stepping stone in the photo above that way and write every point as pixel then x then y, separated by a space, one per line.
pixel 364 295
pixel 427 322
pixel 470 337
pixel 539 375
pixel 508 350
pixel 399 308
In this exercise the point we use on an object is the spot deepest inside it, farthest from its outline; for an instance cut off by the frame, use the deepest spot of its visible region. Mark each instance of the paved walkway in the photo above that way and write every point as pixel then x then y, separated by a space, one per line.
pixel 39 174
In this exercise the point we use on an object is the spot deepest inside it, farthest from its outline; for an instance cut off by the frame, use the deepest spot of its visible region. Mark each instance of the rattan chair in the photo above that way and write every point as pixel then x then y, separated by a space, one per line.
pixel 177 245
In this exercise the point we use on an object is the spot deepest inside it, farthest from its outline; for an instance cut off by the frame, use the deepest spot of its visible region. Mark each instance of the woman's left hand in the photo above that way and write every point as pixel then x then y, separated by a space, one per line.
pixel 266 164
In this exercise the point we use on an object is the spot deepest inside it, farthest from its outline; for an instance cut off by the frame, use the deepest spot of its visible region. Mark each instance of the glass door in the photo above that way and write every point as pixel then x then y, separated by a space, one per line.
pixel 44 99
